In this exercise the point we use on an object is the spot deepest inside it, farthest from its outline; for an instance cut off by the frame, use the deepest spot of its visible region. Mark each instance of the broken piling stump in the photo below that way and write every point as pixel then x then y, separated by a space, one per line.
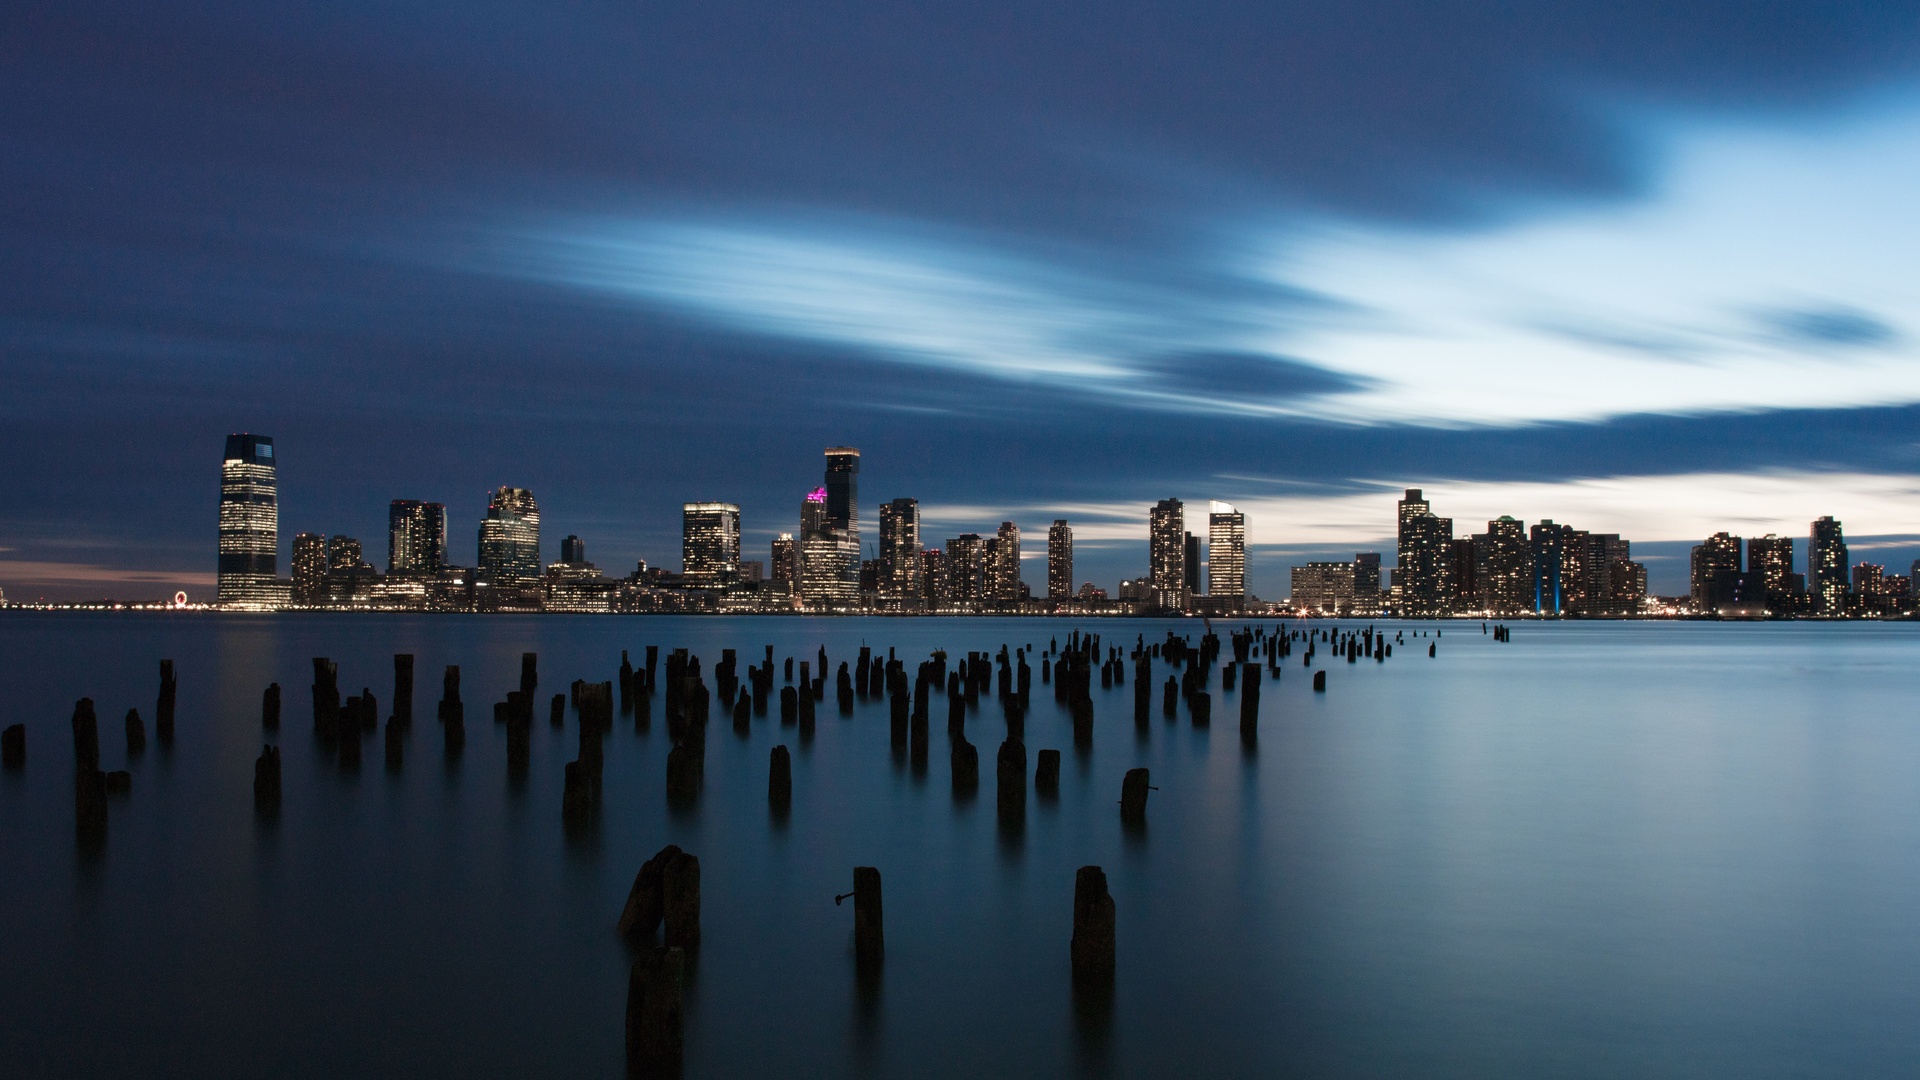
pixel 1093 926
pixel 266 779
pixel 1046 773
pixel 13 746
pixel 136 733
pixel 1133 796
pixel 780 778
pixel 869 934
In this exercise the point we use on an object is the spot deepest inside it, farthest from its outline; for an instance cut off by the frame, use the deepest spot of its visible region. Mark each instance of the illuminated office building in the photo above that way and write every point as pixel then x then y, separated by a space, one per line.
pixel 933 577
pixel 1367 594
pixel 573 550
pixel 709 545
pixel 1226 550
pixel 1060 561
pixel 1503 561
pixel 1714 570
pixel 249 522
pixel 416 537
pixel 343 553
pixel 510 539
pixel 1324 588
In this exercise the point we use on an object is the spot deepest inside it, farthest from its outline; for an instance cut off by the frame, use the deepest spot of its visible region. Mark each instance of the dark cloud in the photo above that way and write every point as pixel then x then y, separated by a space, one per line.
pixel 1243 377
pixel 224 216
pixel 1830 327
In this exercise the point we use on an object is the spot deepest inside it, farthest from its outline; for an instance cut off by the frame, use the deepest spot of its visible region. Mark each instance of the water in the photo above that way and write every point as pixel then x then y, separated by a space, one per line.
pixel 1601 850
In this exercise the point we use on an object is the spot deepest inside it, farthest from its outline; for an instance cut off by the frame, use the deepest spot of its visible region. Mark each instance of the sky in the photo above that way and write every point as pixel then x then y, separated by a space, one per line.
pixel 1643 268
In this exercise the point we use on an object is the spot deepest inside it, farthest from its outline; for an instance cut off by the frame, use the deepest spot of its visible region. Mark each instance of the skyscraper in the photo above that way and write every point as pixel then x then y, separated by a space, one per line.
pixel 1167 553
pixel 1003 572
pixel 1546 540
pixel 785 558
pixel 343 553
pixel 900 572
pixel 1422 571
pixel 1827 568
pixel 1226 550
pixel 573 550
pixel 709 544
pixel 1771 557
pixel 1060 561
pixel 965 567
pixel 1506 559
pixel 249 521
pixel 1714 571
pixel 830 533
pixel 1324 588
pixel 1190 565
pixel 309 567
pixel 1366 583
pixel 933 577
pixel 510 540
pixel 416 537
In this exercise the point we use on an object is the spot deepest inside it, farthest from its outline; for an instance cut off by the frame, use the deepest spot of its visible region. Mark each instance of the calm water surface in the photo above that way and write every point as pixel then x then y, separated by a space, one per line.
pixel 1598 851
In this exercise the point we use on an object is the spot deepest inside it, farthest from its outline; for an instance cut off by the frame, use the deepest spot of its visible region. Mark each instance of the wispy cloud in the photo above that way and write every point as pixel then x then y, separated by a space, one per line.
pixel 19 572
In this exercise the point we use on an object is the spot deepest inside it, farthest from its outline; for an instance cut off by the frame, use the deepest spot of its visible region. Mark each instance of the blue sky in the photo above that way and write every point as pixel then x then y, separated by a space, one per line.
pixel 1643 268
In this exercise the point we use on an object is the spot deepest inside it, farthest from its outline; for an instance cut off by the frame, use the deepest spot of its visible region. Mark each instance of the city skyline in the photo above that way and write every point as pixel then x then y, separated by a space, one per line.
pixel 1549 569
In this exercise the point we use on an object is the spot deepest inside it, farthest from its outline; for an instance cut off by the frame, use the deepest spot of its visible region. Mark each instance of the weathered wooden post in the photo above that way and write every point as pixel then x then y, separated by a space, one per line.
pixel 136 733
pixel 86 737
pixel 965 759
pixel 1012 776
pixel 869 933
pixel 529 673
pixel 1046 773
pixel 326 697
pixel 13 746
pixel 1093 926
pixel 270 707
pixel 1200 708
pixel 396 744
pixel 163 708
pixel 266 779
pixel 1133 797
pixel 90 807
pixel 780 779
pixel 1320 681
pixel 403 688
pixel 580 795
pixel 680 899
pixel 655 1012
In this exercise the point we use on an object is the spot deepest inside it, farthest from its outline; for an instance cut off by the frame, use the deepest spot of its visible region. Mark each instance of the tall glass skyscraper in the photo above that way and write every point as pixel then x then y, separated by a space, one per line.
pixel 830 533
pixel 1060 561
pixel 249 521
pixel 510 539
pixel 1423 571
pixel 710 544
pixel 1003 573
pixel 416 537
pixel 1226 550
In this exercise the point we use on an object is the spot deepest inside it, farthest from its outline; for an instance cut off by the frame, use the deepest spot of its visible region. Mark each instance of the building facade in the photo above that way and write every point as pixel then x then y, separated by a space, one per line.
pixel 309 568
pixel 416 537
pixel 1422 571
pixel 1827 568
pixel 709 545
pixel 1003 571
pixel 249 562
pixel 900 571
pixel 510 539
pixel 1167 553
pixel 1323 588
pixel 1226 551
pixel 1060 561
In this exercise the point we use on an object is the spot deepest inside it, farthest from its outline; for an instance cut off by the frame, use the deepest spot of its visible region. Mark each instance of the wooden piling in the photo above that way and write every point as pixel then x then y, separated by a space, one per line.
pixel 1133 796
pixel 1046 773
pixel 780 778
pixel 266 779
pixel 869 932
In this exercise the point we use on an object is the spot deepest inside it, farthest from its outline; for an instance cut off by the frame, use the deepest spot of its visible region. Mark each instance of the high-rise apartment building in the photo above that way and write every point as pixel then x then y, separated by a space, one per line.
pixel 1827 568
pixel 249 521
pixel 1226 550
pixel 1060 561
pixel 309 567
pixel 1771 557
pixel 1190 565
pixel 785 559
pixel 1367 595
pixel 965 566
pixel 510 539
pixel 1463 572
pixel 1003 570
pixel 1547 540
pixel 1714 571
pixel 1167 553
pixel 933 577
pixel 343 553
pixel 709 545
pixel 1422 572
pixel 900 572
pixel 1323 588
pixel 1504 559
pixel 416 537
